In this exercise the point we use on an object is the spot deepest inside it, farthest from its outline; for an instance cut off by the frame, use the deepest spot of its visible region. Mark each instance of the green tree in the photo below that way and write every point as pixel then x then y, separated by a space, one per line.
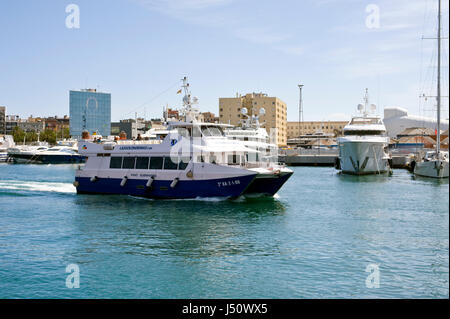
pixel 18 134
pixel 49 136
pixel 31 136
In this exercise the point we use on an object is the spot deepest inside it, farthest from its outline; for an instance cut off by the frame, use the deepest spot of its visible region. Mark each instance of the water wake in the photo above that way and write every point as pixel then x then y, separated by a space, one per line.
pixel 31 186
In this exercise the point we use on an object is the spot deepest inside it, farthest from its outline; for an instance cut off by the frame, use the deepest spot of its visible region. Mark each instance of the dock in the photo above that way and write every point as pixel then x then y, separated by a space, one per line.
pixel 310 158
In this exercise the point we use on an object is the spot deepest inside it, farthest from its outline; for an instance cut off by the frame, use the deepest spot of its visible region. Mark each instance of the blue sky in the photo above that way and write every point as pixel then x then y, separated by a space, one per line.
pixel 138 49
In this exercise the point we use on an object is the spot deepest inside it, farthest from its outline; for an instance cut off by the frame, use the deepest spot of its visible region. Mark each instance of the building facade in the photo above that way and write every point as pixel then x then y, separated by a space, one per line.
pixel 295 129
pixel 3 120
pixel 132 127
pixel 89 110
pixel 209 117
pixel 11 122
pixel 37 126
pixel 57 124
pixel 275 117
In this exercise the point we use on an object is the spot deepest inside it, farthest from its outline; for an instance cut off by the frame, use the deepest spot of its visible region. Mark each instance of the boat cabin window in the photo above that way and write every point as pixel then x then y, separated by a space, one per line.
pixel 233 159
pixel 183 132
pixel 363 132
pixel 211 131
pixel 169 163
pixel 156 162
pixel 360 121
pixel 212 159
pixel 142 162
pixel 183 163
pixel 128 162
pixel 116 162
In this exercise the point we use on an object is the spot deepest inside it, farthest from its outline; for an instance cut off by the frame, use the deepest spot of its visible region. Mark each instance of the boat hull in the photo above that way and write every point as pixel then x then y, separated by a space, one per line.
pixel 435 169
pixel 47 159
pixel 363 158
pixel 230 187
pixel 268 184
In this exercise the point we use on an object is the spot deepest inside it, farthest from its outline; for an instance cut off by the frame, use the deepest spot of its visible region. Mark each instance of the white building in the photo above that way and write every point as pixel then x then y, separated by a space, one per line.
pixel 396 120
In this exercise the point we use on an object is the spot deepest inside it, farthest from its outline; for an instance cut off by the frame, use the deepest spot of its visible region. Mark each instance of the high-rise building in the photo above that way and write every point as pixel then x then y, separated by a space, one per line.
pixel 2 119
pixel 90 110
pixel 275 117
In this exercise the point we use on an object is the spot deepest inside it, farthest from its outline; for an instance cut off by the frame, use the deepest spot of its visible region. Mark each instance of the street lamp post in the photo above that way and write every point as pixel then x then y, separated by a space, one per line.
pixel 300 112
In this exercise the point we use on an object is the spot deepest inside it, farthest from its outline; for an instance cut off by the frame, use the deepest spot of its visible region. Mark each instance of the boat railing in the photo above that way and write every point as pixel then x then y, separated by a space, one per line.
pixel 131 142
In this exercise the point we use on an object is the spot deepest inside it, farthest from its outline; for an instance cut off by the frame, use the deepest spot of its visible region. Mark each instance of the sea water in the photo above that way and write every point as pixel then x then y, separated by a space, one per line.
pixel 324 235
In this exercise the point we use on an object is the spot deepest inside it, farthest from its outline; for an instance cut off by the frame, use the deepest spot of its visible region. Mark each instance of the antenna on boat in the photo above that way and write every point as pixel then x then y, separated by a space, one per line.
pixel 190 113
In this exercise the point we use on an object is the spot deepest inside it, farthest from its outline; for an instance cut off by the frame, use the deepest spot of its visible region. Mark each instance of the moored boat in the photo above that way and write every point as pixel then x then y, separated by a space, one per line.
pixel 362 149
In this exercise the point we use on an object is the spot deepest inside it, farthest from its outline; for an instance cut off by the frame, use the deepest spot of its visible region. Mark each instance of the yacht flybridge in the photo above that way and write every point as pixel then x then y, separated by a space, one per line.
pixel 195 159
pixel 362 149
pixel 254 136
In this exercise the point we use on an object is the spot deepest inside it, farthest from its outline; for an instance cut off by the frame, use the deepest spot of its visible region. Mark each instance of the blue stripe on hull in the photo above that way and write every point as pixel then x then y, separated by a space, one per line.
pixel 268 186
pixel 225 187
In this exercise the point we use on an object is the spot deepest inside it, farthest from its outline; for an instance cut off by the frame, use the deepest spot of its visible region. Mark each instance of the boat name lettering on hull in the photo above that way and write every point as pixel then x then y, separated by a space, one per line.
pixel 228 183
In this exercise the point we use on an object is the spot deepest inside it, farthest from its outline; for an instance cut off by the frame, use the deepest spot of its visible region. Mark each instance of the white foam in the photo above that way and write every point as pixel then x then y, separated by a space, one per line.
pixel 38 186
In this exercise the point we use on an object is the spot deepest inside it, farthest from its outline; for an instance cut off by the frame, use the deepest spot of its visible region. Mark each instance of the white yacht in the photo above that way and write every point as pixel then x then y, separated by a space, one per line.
pixel 23 153
pixel 6 141
pixel 363 148
pixel 57 155
pixel 194 160
pixel 435 163
pixel 252 135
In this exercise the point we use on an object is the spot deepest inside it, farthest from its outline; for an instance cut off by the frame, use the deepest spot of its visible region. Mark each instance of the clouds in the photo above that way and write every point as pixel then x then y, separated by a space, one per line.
pixel 322 38
pixel 233 17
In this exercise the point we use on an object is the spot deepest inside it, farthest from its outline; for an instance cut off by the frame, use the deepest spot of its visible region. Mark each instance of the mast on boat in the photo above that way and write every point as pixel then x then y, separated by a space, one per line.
pixel 438 135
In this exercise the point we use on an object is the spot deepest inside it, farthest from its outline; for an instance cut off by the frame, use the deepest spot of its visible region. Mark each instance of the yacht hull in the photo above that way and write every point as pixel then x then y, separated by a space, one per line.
pixel 435 169
pixel 230 187
pixel 363 158
pixel 47 159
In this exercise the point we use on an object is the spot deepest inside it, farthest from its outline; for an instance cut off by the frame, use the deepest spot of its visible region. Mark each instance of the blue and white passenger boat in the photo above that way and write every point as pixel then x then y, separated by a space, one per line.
pixel 194 160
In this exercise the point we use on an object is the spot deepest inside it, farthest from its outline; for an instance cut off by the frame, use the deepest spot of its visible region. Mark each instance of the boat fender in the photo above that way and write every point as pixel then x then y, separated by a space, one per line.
pixel 189 174
pixel 412 165
pixel 94 179
pixel 174 182
pixel 76 183
pixel 149 182
pixel 124 181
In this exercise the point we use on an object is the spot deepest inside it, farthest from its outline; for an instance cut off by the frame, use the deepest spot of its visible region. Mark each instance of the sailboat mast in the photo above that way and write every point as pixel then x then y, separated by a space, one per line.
pixel 438 135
